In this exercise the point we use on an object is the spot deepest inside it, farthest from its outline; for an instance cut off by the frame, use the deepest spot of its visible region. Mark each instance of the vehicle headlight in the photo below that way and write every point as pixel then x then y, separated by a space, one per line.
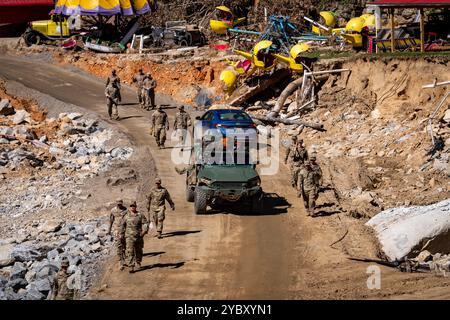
pixel 204 181
pixel 254 182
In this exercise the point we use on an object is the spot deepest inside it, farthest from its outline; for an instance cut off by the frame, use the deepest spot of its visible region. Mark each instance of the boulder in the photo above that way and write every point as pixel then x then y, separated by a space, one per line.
pixel 24 254
pixel 43 285
pixel 34 294
pixel 6 108
pixel 5 251
pixel 50 226
pixel 18 271
pixel 3 282
pixel 53 255
pixel 6 262
pixel 446 117
pixel 424 256
pixel 47 271
pixel 74 115
pixel 21 116
pixel 122 153
pixel 17 284
pixel 30 276
pixel 403 231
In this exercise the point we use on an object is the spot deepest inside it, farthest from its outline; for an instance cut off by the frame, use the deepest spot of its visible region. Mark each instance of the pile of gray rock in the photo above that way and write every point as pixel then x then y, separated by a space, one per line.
pixel 30 261
pixel 437 263
pixel 81 148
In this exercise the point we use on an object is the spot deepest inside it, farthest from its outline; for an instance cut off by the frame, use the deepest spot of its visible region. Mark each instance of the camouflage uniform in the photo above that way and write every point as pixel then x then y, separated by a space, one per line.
pixel 112 97
pixel 159 125
pixel 115 219
pixel 156 207
pixel 181 123
pixel 297 156
pixel 311 180
pixel 60 290
pixel 115 80
pixel 139 80
pixel 149 85
pixel 133 226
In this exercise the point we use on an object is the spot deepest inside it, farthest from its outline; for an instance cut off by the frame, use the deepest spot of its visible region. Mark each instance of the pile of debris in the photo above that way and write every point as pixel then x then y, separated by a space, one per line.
pixel 46 161
pixel 374 147
pixel 30 261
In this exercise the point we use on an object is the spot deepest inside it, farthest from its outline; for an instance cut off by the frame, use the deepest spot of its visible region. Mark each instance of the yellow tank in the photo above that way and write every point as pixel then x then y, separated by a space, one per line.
pixel 365 16
pixel 219 27
pixel 329 17
pixel 229 80
pixel 355 25
pixel 329 21
pixel 369 21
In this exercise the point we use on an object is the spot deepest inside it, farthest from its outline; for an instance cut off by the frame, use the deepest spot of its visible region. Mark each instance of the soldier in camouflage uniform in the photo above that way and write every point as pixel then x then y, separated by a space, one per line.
pixel 115 220
pixel 156 205
pixel 139 80
pixel 60 290
pixel 112 100
pixel 159 126
pixel 310 178
pixel 114 79
pixel 297 156
pixel 133 228
pixel 149 86
pixel 181 124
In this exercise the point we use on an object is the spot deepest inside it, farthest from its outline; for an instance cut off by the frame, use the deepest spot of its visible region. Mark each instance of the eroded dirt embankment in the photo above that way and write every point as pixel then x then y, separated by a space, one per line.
pixel 377 148
pixel 181 78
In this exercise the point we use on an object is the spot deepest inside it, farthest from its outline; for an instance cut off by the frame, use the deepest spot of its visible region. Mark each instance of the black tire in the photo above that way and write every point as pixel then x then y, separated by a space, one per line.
pixel 256 204
pixel 31 38
pixel 202 40
pixel 184 43
pixel 200 201
pixel 189 39
pixel 190 194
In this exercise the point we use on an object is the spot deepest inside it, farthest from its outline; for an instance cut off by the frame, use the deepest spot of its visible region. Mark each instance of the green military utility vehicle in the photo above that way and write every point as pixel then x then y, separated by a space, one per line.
pixel 213 185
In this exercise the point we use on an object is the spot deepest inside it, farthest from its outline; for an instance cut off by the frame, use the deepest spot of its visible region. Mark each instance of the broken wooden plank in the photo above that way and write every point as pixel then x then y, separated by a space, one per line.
pixel 245 93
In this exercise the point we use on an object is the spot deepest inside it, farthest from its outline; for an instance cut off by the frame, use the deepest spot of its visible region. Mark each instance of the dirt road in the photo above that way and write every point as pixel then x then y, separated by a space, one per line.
pixel 281 254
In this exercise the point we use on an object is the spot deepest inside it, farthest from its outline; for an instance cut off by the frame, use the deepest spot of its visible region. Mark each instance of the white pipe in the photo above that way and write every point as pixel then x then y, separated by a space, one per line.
pixel 317 24
pixel 436 84
pixel 326 71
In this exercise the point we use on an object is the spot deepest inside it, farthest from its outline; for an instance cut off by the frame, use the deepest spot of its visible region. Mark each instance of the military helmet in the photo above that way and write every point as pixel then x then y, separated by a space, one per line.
pixel 65 262
pixel 181 107
pixel 159 107
pixel 113 71
pixel 133 204
pixel 313 157
pixel 140 70
pixel 119 201
pixel 158 180
pixel 294 138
